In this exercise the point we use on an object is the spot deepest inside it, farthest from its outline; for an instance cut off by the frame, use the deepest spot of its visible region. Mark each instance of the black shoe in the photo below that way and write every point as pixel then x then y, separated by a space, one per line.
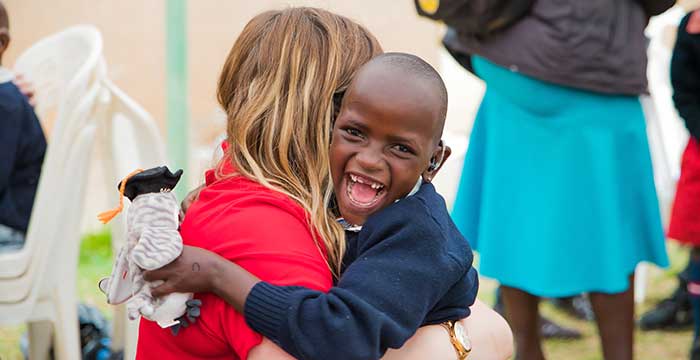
pixel 577 306
pixel 548 328
pixel 670 314
pixel 551 330
pixel 695 350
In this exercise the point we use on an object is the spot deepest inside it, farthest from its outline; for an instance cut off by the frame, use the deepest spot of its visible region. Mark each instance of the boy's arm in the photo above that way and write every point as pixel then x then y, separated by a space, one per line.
pixel 379 302
pixel 685 78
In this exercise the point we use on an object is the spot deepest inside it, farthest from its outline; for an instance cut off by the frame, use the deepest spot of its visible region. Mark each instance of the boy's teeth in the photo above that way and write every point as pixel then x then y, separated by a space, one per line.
pixel 374 185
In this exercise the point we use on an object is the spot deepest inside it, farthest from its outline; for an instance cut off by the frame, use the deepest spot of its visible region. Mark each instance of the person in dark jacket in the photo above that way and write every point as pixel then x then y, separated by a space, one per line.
pixel 557 192
pixel 685 223
pixel 22 148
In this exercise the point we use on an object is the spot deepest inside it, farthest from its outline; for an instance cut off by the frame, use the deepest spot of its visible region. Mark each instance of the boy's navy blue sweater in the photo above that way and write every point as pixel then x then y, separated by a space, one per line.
pixel 22 148
pixel 409 266
pixel 685 77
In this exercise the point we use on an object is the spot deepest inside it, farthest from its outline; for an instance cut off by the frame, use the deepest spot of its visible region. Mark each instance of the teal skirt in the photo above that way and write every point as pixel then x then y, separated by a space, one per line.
pixel 557 193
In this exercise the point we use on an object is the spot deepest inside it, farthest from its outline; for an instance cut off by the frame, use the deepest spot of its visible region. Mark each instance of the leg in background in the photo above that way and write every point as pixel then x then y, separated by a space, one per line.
pixel 522 313
pixel 675 311
pixel 548 328
pixel 694 294
pixel 615 318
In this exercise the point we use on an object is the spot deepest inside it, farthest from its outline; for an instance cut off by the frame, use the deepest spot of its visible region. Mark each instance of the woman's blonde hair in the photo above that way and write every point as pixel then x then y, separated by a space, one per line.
pixel 280 87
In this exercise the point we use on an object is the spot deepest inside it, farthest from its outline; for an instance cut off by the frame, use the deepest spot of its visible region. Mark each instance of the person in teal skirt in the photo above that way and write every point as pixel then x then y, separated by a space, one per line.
pixel 557 192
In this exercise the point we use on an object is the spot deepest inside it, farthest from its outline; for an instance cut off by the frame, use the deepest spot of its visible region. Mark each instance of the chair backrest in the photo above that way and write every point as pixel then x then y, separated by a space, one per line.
pixel 130 139
pixel 60 67
pixel 53 236
pixel 135 138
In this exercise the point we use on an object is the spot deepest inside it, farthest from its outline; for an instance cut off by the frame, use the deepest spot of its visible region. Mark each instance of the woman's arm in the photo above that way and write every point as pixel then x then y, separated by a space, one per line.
pixel 198 270
pixel 489 333
pixel 490 336
pixel 267 350
pixel 361 304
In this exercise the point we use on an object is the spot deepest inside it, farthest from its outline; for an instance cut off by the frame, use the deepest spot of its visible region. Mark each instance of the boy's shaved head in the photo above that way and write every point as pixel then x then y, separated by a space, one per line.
pixel 418 67
pixel 410 71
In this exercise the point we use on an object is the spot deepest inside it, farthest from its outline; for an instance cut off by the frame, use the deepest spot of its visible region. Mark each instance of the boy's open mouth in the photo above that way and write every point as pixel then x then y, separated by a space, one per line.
pixel 364 192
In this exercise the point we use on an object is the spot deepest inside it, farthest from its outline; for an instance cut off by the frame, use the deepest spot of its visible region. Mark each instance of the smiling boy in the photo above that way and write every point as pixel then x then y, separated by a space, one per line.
pixel 406 264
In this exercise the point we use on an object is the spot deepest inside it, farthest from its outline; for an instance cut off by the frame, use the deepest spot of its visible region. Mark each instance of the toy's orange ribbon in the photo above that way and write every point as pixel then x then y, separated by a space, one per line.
pixel 108 215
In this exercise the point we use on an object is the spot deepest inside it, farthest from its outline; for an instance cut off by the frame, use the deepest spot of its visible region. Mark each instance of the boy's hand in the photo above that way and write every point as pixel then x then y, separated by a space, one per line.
pixel 193 271
pixel 26 88
pixel 190 198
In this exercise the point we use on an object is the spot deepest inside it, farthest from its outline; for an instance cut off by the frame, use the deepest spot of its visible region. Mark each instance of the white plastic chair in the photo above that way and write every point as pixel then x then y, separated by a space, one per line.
pixel 130 139
pixel 61 67
pixel 667 135
pixel 61 79
pixel 47 291
pixel 38 283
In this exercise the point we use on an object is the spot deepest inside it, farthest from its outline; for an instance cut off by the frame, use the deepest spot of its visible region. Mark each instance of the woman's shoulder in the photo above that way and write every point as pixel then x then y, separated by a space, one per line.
pixel 259 228
pixel 245 195
pixel 239 214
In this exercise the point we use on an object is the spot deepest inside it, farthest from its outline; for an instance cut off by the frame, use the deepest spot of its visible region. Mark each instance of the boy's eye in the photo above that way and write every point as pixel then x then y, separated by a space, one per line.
pixel 403 149
pixel 353 132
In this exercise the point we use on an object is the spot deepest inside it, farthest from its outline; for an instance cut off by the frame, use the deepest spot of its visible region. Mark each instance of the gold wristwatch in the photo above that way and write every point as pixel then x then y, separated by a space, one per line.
pixel 459 339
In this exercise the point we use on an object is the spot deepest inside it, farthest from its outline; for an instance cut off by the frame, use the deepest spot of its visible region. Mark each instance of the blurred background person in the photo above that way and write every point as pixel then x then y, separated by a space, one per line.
pixel 557 191
pixel 685 217
pixel 22 149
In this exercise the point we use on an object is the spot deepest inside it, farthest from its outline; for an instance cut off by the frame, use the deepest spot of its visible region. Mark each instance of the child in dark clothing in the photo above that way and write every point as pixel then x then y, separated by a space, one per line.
pixel 22 145
pixel 406 264
pixel 685 223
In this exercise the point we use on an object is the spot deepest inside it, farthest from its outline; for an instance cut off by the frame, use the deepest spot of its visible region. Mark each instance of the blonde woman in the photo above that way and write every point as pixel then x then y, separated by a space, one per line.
pixel 265 207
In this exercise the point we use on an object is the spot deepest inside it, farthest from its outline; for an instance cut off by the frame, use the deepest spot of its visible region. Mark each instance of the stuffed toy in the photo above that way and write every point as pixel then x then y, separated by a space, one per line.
pixel 153 241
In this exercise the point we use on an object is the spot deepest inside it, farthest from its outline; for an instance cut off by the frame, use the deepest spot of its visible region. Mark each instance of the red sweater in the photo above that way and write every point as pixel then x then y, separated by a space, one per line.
pixel 261 230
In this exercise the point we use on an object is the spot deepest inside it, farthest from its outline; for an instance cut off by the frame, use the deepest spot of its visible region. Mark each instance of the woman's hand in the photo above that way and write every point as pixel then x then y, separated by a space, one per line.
pixel 195 270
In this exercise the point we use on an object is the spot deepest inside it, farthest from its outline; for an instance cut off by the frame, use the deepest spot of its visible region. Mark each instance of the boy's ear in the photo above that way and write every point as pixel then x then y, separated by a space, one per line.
pixel 441 154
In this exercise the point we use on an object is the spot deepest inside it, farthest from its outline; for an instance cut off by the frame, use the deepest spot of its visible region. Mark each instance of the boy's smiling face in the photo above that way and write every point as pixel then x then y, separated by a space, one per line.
pixel 383 139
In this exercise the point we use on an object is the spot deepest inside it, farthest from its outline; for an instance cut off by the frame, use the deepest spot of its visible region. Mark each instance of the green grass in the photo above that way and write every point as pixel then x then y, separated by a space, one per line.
pixel 96 262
